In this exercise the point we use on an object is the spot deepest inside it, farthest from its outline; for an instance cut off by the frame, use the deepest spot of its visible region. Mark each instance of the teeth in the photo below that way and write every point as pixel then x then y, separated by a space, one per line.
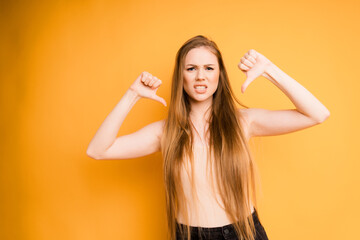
pixel 200 87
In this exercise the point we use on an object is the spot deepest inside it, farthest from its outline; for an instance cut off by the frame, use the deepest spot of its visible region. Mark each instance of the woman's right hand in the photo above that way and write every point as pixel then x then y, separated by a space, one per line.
pixel 146 86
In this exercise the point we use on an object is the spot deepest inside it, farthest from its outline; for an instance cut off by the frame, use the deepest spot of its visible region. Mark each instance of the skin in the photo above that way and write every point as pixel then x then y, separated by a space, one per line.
pixel 309 110
pixel 201 67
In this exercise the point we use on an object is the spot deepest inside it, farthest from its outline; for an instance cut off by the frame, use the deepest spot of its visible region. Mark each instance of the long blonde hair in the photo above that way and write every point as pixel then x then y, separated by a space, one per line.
pixel 235 170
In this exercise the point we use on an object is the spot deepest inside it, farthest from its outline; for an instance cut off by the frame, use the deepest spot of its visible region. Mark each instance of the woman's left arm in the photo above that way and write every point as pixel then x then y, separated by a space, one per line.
pixel 309 110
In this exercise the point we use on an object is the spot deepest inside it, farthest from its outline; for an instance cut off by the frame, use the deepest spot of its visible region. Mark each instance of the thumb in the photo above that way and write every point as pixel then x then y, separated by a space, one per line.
pixel 250 76
pixel 160 99
pixel 247 82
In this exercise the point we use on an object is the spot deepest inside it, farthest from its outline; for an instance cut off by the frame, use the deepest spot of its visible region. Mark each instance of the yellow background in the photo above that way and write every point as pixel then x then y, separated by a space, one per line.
pixel 66 64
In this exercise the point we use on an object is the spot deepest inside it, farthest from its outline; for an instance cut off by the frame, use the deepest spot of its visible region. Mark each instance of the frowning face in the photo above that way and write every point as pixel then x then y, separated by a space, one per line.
pixel 201 74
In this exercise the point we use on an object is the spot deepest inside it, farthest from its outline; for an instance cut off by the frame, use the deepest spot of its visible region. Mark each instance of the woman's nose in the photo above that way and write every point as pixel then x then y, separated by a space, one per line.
pixel 200 74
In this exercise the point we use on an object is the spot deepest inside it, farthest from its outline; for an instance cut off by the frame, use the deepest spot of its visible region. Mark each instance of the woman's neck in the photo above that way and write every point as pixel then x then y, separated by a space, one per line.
pixel 200 112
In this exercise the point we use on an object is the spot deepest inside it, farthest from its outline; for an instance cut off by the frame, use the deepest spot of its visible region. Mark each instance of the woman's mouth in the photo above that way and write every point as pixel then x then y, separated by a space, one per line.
pixel 200 88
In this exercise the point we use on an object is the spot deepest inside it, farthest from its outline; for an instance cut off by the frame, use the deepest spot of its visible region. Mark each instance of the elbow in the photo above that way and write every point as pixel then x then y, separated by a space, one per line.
pixel 326 116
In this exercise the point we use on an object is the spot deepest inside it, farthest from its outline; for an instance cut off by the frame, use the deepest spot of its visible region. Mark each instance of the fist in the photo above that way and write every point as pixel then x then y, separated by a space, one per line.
pixel 253 64
pixel 146 86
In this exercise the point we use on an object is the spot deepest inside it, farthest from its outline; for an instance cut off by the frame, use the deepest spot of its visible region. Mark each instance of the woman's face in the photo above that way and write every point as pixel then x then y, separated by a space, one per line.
pixel 201 74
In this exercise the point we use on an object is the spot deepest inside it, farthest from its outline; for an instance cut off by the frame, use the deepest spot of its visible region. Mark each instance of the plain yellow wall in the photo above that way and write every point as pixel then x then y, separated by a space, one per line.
pixel 66 64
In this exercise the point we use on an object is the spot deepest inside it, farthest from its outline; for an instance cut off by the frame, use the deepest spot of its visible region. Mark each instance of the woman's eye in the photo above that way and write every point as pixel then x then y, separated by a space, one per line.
pixel 209 68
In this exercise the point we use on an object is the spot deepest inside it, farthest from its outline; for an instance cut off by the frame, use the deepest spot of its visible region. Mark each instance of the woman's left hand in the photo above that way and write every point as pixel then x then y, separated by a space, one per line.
pixel 253 64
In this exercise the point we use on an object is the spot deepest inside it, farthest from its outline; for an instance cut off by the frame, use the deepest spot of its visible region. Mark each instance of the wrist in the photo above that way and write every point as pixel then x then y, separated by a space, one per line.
pixel 270 71
pixel 133 94
pixel 269 68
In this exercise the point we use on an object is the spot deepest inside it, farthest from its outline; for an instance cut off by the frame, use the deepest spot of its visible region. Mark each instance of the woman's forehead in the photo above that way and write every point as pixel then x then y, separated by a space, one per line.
pixel 200 56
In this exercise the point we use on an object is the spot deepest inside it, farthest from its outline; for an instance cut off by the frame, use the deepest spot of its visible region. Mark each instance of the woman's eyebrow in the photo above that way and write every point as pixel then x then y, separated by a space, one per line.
pixel 196 65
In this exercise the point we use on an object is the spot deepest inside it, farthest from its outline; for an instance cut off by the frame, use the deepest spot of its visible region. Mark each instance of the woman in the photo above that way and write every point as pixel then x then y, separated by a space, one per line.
pixel 209 173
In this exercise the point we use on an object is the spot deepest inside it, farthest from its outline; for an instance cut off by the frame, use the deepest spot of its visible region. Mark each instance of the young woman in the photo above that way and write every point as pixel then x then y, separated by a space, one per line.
pixel 209 173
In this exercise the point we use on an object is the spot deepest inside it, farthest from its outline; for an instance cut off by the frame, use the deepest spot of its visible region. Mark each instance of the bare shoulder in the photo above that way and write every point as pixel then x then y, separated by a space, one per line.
pixel 244 116
pixel 159 127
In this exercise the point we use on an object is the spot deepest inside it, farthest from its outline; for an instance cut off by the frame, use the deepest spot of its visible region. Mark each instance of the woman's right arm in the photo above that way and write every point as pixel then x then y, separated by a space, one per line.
pixel 105 145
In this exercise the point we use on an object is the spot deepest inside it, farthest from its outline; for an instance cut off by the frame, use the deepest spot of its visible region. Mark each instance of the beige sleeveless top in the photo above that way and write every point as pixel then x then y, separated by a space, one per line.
pixel 205 210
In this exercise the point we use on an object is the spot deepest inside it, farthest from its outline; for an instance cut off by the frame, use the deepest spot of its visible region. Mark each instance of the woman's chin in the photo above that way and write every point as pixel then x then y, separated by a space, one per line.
pixel 201 98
